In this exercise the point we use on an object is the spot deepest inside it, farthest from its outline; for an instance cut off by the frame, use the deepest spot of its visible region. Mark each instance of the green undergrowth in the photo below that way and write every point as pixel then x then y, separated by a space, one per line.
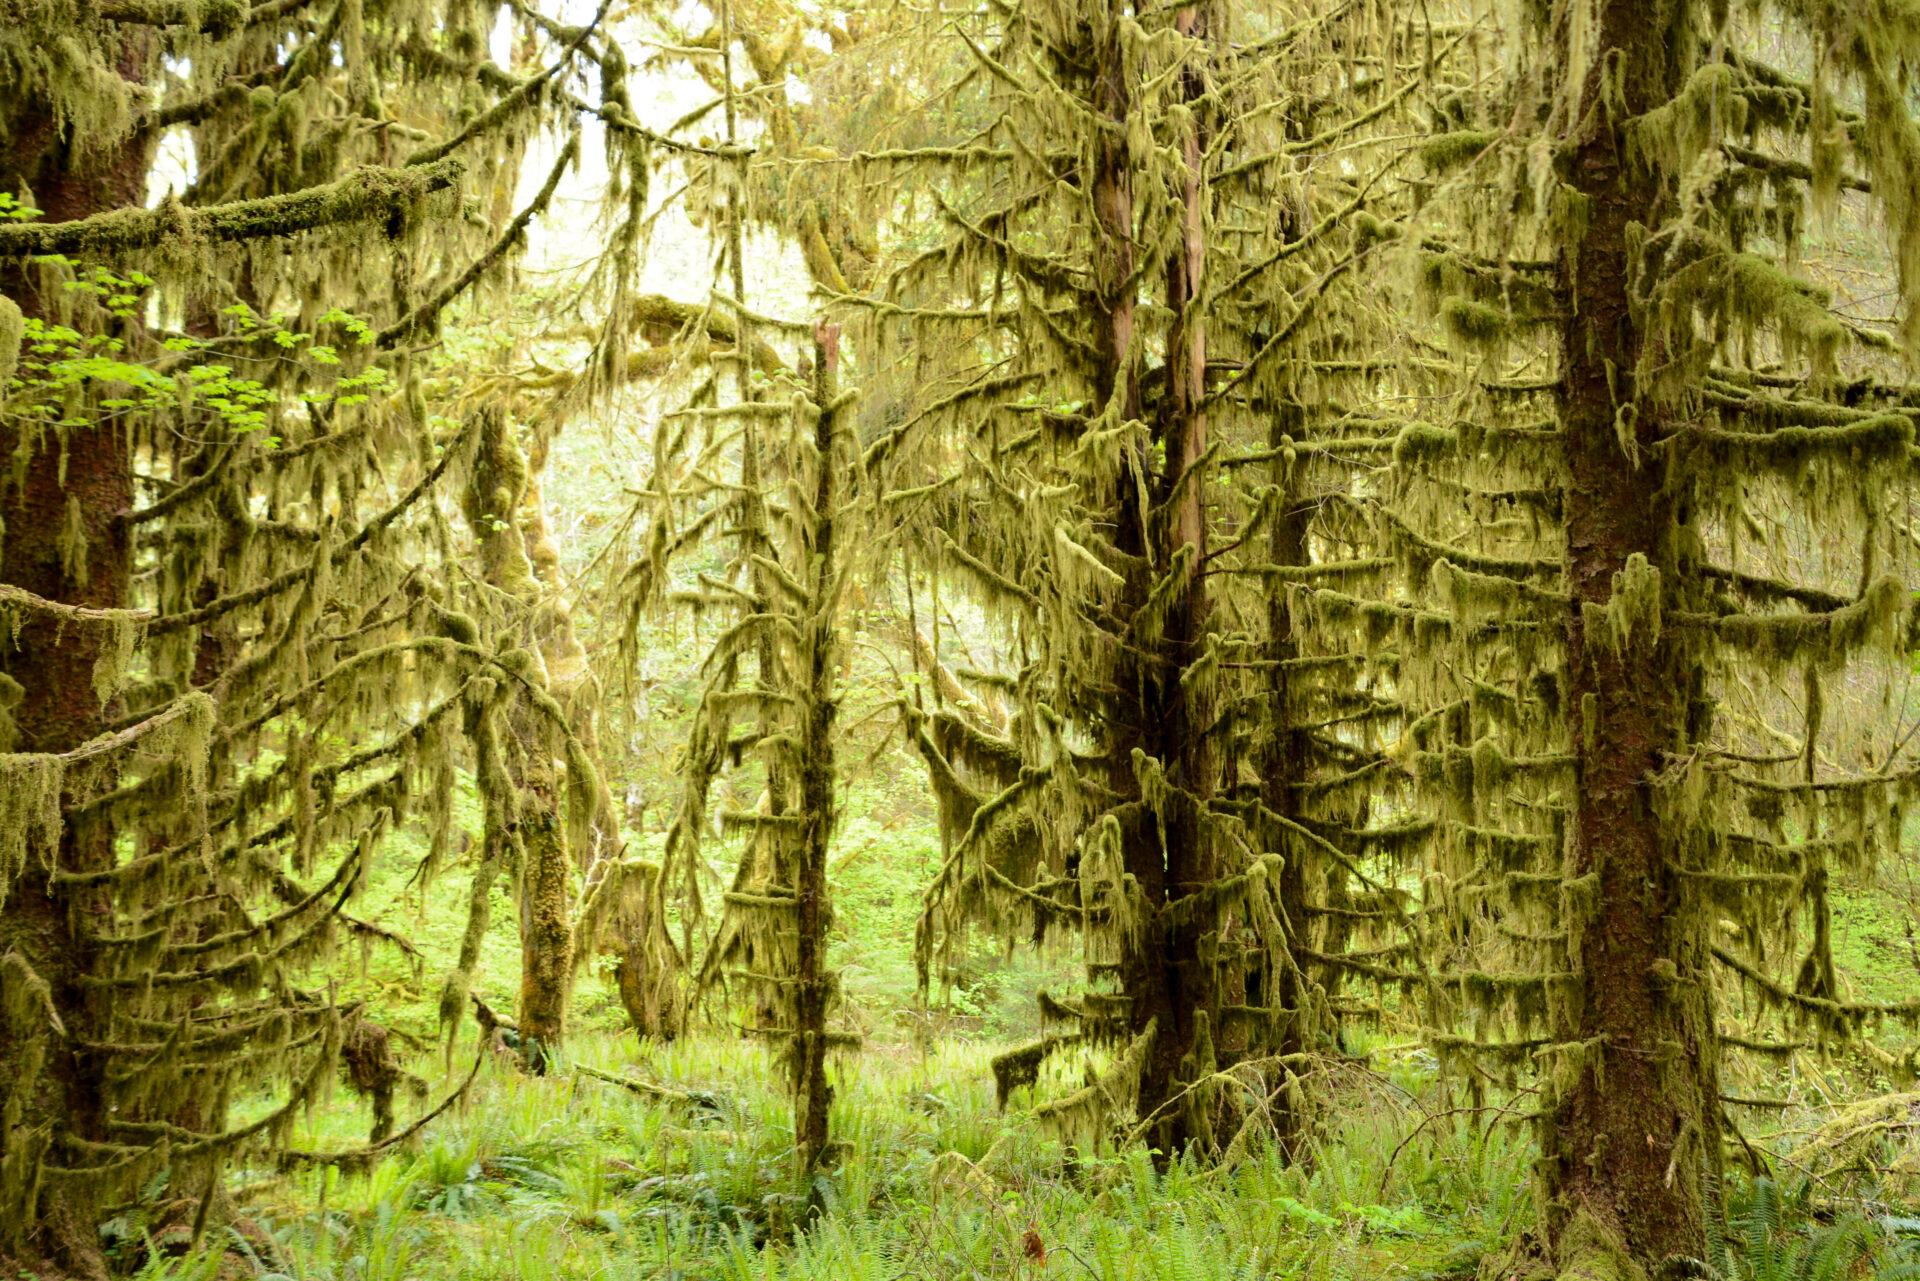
pixel 688 1178
pixel 573 1176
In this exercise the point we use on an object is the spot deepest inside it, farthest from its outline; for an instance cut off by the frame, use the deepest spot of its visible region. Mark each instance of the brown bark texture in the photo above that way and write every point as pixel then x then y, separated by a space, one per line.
pixel 1623 1145
pixel 50 1086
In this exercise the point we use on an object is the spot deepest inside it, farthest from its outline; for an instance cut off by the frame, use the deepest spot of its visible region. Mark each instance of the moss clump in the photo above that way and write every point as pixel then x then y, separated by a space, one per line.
pixel 1476 325
pixel 1420 445
pixel 1449 151
pixel 12 328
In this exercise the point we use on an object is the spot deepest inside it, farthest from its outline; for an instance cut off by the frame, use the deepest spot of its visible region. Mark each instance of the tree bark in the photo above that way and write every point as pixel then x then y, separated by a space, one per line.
pixel 1623 1146
pixel 48 1084
pixel 494 511
pixel 546 917
pixel 1172 979
pixel 813 983
pixel 1282 765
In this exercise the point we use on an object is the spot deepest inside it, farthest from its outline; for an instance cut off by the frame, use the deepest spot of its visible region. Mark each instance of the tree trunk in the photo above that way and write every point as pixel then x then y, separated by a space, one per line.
pixel 813 983
pixel 1623 1147
pixel 1172 979
pixel 1282 763
pixel 546 918
pixel 49 1086
pixel 533 792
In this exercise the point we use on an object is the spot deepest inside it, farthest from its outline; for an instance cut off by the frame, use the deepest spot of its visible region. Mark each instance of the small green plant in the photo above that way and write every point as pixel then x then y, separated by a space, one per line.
pixel 1776 1240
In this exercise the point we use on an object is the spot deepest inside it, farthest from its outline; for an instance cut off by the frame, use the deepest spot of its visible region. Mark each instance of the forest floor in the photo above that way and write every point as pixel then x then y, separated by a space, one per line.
pixel 689 1177
pixel 685 1173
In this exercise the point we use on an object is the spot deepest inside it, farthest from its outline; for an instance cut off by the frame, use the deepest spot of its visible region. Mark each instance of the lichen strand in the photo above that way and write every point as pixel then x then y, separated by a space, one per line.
pixel 12 329
pixel 1631 871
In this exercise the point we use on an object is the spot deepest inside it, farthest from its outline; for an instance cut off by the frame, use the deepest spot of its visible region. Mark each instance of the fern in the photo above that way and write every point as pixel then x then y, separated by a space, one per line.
pixel 1776 1250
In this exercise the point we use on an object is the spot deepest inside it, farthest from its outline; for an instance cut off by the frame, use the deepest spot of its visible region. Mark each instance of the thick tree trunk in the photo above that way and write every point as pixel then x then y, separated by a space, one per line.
pixel 1624 1146
pixel 48 1084
pixel 546 919
pixel 1174 978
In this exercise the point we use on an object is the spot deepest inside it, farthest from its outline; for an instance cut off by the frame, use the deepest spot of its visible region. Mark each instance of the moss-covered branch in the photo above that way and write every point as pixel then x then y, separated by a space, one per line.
pixel 366 195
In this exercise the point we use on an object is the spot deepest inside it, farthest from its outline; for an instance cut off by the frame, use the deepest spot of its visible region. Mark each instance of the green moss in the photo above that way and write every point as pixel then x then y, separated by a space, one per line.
pixel 1476 324
pixel 1449 151
pixel 1420 445
pixel 368 194
pixel 12 327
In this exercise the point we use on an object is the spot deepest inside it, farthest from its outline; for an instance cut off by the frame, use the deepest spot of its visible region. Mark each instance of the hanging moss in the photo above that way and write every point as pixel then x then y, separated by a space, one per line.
pixel 30 822
pixel 253 537
pixel 1449 151
pixel 12 328
pixel 1601 735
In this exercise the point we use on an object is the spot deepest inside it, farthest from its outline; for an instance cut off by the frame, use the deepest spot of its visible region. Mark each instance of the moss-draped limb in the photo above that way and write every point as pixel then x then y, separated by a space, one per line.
pixel 369 195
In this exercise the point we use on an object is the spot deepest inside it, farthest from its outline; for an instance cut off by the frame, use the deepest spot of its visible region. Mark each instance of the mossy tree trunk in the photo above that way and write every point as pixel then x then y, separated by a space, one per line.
pixel 1616 774
pixel 1626 1141
pixel 65 496
pixel 772 940
pixel 1284 760
pixel 545 807
pixel 815 985
pixel 1173 977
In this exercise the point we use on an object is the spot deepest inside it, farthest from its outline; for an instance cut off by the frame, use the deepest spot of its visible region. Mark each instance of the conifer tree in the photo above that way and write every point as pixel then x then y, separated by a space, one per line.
pixel 771 692
pixel 231 664
pixel 1620 655
pixel 1077 482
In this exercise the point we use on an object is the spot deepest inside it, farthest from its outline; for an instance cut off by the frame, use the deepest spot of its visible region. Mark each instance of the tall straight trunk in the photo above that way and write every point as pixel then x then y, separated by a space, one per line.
pixel 1623 1144
pixel 1172 978
pixel 1283 766
pixel 1143 980
pixel 813 982
pixel 63 536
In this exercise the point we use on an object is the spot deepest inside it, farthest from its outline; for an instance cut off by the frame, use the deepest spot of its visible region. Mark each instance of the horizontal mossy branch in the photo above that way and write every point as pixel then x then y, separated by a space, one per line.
pixel 1768 1049
pixel 1848 1011
pixel 1756 587
pixel 19 598
pixel 1020 1067
pixel 217 18
pixel 368 194
pixel 1826 638
pixel 1879 438
pixel 1776 411
pixel 1780 167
